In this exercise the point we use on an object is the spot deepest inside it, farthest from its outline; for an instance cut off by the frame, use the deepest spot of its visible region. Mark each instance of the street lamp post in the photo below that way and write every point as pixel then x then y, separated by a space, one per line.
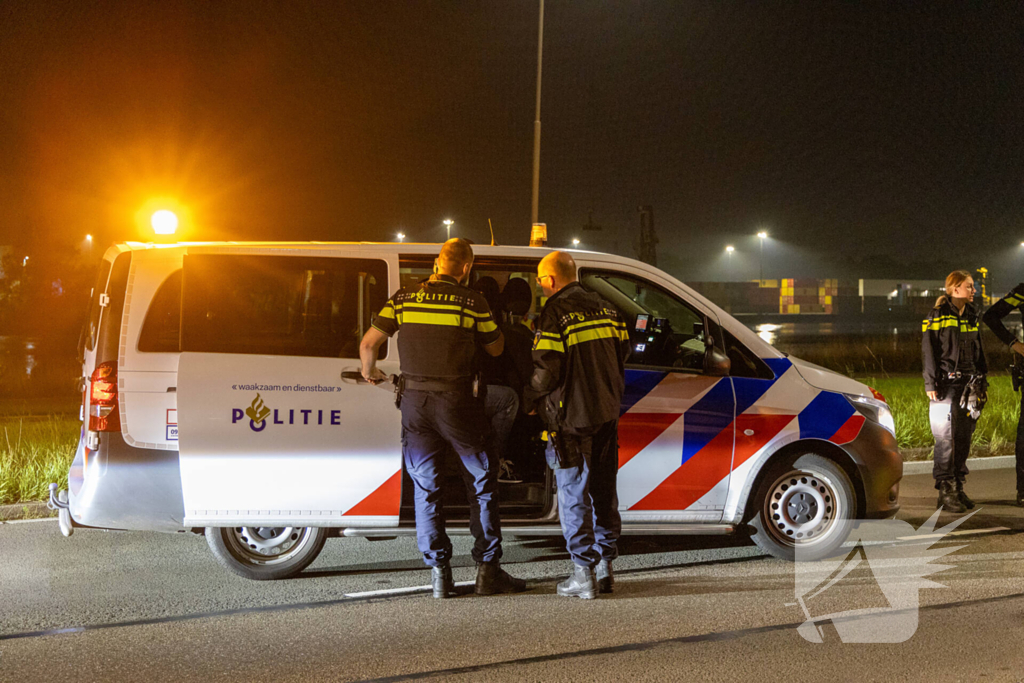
pixel 401 236
pixel 761 235
pixel 729 250
pixel 448 227
pixel 575 243
pixel 535 199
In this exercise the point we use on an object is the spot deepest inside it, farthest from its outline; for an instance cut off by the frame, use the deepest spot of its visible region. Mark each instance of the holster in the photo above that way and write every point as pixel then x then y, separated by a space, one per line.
pixel 399 390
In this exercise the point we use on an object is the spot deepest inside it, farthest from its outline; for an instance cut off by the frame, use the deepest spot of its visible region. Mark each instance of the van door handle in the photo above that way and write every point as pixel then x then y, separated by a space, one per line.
pixel 390 382
pixel 354 376
pixel 171 390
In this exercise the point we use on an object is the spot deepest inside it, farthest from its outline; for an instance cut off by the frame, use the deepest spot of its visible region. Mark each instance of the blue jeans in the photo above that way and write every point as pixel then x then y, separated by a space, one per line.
pixel 501 407
pixel 588 501
pixel 431 422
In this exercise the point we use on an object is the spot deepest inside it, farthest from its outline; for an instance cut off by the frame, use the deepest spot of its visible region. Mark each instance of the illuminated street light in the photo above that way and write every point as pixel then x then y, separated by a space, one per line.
pixel 575 242
pixel 164 222
pixel 728 250
pixel 448 226
pixel 88 238
pixel 762 235
pixel 401 236
pixel 24 262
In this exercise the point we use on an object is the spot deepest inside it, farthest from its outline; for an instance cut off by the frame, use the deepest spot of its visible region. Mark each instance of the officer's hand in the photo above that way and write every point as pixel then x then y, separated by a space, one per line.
pixel 375 377
pixel 532 412
pixel 1017 347
pixel 933 395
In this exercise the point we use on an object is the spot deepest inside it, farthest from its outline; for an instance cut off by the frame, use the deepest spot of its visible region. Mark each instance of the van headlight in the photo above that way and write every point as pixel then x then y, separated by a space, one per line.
pixel 874 410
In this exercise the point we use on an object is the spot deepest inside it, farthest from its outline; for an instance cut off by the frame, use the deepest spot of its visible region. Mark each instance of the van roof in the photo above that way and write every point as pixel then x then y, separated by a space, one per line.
pixel 403 247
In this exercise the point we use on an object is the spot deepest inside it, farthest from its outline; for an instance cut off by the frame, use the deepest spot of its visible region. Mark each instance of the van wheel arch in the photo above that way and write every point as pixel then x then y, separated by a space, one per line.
pixel 811 456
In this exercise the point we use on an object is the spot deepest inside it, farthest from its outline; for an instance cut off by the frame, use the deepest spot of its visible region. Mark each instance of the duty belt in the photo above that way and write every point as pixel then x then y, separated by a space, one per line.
pixel 460 384
pixel 961 375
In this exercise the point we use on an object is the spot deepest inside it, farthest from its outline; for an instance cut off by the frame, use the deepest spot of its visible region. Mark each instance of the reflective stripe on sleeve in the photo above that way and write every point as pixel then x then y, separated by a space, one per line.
pixel 549 345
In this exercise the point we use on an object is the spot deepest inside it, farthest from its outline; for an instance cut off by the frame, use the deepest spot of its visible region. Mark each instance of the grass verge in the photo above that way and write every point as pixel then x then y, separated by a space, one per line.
pixel 33 453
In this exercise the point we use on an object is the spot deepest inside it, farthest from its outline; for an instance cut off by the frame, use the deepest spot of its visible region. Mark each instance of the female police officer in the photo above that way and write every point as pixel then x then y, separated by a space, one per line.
pixel 954 369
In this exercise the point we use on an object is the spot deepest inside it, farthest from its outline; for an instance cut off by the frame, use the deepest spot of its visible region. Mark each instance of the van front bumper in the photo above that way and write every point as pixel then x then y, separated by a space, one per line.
pixel 880 465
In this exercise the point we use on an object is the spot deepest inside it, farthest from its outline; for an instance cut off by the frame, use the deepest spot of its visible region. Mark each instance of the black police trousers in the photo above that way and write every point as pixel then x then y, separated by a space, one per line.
pixel 953 428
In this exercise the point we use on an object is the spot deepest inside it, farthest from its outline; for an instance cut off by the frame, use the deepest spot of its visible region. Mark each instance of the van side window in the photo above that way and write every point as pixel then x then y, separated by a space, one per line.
pixel 280 305
pixel 664 331
pixel 744 362
pixel 161 333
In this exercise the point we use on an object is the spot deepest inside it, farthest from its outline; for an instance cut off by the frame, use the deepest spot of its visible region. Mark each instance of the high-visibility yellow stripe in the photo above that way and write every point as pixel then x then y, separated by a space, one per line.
pixel 1014 300
pixel 486 326
pixel 596 321
pixel 441 307
pixel 388 311
pixel 551 335
pixel 595 334
pixel 940 324
pixel 422 318
pixel 549 345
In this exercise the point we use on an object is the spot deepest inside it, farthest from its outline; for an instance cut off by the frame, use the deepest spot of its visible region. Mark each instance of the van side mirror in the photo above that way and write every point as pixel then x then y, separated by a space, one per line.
pixel 716 363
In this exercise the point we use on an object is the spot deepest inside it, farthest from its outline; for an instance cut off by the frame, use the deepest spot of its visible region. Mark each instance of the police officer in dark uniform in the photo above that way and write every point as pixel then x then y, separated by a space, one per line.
pixel 994 319
pixel 579 358
pixel 954 372
pixel 442 322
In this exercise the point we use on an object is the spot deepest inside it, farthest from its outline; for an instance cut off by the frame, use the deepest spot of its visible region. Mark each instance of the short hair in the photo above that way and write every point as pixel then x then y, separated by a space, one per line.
pixel 455 253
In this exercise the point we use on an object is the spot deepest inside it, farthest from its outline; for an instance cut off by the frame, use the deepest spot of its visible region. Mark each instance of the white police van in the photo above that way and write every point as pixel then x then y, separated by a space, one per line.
pixel 220 397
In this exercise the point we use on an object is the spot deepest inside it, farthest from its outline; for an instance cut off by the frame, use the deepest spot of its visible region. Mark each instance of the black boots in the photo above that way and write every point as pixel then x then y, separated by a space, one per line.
pixel 582 583
pixel 964 500
pixel 492 579
pixel 441 581
pixel 605 576
pixel 949 498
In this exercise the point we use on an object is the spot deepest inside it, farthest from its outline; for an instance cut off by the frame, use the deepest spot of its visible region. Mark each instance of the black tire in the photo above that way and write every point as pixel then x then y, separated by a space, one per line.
pixel 265 553
pixel 808 504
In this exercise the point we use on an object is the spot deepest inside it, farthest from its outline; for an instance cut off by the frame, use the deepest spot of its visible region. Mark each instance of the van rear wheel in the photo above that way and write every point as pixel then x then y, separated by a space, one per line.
pixel 805 509
pixel 265 553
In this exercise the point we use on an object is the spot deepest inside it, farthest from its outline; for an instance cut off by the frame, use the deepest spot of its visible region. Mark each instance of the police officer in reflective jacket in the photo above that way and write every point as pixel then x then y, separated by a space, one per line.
pixel 579 356
pixel 994 319
pixel 442 322
pixel 954 379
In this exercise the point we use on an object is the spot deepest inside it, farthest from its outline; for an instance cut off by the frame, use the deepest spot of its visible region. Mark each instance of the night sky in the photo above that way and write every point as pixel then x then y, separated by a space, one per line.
pixel 868 139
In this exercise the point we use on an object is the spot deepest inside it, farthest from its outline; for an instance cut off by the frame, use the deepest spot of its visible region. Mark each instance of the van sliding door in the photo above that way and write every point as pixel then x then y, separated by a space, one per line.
pixel 269 432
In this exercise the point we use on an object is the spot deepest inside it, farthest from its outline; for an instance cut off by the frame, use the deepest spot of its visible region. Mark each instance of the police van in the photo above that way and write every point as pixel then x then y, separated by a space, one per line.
pixel 222 396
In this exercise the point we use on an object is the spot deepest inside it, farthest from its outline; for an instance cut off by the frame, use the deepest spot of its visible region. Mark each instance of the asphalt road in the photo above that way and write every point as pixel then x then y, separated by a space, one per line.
pixel 136 606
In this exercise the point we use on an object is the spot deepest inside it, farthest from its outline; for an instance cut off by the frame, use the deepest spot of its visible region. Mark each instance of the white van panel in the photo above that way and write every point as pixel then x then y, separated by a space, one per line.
pixel 291 467
pixel 153 417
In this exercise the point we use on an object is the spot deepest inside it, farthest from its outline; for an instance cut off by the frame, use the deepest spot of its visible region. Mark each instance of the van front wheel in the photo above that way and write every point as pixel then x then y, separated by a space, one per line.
pixel 265 553
pixel 805 509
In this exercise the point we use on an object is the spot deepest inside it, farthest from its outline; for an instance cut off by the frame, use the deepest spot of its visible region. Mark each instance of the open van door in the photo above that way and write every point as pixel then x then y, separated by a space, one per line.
pixel 269 432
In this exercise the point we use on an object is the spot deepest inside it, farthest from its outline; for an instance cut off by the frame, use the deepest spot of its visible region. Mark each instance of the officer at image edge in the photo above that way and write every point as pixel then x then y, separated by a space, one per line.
pixel 442 322
pixel 579 355
pixel 954 379
pixel 994 319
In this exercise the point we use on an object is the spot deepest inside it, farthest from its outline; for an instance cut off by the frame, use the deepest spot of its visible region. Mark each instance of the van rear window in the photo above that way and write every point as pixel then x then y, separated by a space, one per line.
pixel 162 330
pixel 280 305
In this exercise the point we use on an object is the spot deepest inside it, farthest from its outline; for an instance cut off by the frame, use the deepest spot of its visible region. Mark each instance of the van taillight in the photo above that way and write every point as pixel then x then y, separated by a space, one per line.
pixel 103 411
